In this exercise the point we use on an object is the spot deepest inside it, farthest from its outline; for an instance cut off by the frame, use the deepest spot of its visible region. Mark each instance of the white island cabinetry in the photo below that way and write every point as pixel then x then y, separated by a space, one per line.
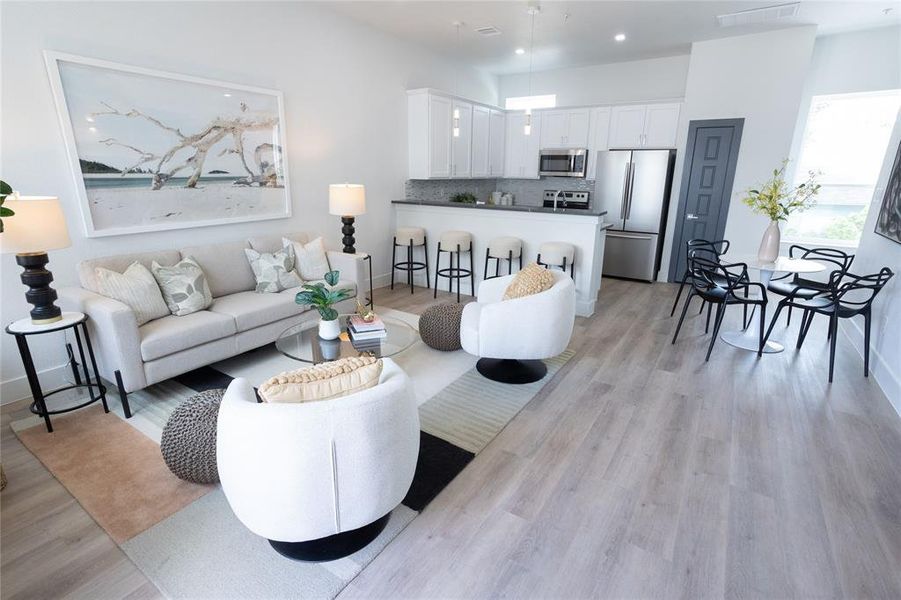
pixel 585 231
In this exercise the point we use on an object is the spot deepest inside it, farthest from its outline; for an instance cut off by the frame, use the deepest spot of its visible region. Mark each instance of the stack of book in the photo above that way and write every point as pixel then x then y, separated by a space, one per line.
pixel 364 333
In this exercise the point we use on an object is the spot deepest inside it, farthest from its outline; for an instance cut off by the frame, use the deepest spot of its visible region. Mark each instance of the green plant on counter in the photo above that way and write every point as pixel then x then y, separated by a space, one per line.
pixel 464 198
pixel 322 298
pixel 5 213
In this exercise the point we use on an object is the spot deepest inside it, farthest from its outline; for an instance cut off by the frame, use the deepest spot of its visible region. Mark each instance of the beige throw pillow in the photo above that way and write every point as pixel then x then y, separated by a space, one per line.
pixel 184 286
pixel 325 381
pixel 312 263
pixel 533 279
pixel 137 288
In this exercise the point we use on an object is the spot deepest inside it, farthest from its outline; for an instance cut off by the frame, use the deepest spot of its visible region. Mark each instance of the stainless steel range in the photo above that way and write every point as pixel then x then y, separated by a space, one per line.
pixel 564 199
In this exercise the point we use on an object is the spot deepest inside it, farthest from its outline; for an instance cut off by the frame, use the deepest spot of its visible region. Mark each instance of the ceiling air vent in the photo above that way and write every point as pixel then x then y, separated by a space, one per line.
pixel 488 30
pixel 759 15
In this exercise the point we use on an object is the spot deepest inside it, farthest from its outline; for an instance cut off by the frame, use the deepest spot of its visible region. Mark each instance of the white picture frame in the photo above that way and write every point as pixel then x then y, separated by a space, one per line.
pixel 249 183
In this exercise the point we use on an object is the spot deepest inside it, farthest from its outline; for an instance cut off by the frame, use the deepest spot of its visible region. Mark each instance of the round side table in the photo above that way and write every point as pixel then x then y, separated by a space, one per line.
pixel 76 321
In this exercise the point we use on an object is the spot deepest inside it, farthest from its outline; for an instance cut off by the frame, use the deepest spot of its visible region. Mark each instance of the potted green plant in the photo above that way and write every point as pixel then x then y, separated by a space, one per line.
pixel 5 213
pixel 322 299
pixel 464 198
pixel 777 200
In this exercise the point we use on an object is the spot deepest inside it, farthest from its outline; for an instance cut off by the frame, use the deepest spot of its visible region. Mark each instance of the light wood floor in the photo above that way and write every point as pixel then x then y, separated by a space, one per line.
pixel 639 471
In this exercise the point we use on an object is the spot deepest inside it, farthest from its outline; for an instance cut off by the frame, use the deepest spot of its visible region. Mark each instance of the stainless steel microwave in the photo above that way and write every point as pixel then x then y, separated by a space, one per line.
pixel 563 162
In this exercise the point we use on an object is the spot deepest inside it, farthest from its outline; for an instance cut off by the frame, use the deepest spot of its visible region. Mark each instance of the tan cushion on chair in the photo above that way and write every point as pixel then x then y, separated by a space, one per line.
pixel 533 279
pixel 324 381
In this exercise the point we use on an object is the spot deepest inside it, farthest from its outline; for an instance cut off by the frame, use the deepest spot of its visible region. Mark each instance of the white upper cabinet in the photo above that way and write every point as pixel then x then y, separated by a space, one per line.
pixel 461 155
pixel 565 128
pixel 496 142
pixel 521 158
pixel 598 137
pixel 644 126
pixel 481 141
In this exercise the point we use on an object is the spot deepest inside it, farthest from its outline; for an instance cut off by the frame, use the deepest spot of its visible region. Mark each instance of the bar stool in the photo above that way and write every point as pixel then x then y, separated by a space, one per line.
pixel 503 248
pixel 558 254
pixel 410 238
pixel 454 242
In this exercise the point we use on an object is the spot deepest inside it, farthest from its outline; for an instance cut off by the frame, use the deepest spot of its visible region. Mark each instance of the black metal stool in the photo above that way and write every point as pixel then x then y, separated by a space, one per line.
pixel 503 248
pixel 558 254
pixel 454 242
pixel 410 238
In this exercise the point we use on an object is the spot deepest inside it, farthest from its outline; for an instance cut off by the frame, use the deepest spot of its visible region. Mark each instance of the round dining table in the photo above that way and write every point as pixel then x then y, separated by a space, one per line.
pixel 749 338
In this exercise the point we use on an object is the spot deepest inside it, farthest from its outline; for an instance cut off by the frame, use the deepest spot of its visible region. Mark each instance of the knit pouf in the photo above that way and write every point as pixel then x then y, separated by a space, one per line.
pixel 189 438
pixel 439 326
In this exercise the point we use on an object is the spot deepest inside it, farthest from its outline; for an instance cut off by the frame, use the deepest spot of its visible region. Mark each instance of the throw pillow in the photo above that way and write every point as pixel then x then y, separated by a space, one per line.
pixel 533 279
pixel 184 286
pixel 137 288
pixel 325 381
pixel 312 263
pixel 273 272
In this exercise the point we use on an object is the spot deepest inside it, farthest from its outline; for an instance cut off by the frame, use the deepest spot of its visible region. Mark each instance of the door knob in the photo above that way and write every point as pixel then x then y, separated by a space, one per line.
pixel 691 217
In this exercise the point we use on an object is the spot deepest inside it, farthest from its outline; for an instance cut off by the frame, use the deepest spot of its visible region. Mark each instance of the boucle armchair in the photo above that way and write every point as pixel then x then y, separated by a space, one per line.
pixel 512 336
pixel 319 479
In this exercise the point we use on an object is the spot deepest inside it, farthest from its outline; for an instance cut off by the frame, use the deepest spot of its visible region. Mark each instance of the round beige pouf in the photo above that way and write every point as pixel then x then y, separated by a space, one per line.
pixel 439 326
pixel 188 443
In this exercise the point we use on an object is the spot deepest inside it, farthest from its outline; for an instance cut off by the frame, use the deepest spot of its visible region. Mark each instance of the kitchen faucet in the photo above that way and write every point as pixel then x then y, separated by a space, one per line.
pixel 559 193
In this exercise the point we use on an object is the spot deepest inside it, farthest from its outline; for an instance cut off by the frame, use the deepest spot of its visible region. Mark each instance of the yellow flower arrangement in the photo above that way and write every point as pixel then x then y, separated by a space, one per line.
pixel 777 199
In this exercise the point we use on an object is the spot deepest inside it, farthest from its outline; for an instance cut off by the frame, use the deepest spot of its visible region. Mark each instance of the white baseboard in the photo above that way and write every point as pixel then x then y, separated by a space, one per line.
pixel 884 374
pixel 15 389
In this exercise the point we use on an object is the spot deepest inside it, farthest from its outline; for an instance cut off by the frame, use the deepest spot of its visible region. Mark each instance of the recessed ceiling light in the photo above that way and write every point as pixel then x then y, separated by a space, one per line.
pixel 520 51
pixel 620 37
pixel 227 95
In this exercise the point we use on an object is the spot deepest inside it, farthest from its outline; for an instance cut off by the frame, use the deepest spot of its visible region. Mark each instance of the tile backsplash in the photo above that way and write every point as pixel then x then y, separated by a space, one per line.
pixel 526 192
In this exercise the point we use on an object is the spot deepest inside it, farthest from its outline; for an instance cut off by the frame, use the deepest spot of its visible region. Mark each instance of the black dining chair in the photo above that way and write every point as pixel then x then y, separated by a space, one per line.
pixel 808 287
pixel 841 301
pixel 716 247
pixel 722 285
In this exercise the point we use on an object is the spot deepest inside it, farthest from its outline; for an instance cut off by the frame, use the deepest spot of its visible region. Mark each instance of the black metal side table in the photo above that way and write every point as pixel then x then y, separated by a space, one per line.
pixel 76 321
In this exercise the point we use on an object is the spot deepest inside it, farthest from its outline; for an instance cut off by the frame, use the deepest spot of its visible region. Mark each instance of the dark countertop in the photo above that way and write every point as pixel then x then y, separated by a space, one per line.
pixel 591 212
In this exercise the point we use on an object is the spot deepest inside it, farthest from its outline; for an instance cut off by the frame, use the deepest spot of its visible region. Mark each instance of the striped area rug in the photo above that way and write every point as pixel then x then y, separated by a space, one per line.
pixel 202 551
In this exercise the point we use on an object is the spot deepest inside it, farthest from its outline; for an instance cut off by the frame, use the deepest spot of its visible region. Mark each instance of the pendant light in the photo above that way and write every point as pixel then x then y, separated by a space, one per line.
pixel 456 126
pixel 534 9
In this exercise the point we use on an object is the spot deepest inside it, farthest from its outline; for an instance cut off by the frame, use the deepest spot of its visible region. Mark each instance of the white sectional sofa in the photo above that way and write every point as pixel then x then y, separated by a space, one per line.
pixel 238 320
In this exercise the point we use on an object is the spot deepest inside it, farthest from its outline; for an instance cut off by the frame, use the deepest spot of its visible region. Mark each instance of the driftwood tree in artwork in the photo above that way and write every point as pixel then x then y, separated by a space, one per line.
pixel 164 167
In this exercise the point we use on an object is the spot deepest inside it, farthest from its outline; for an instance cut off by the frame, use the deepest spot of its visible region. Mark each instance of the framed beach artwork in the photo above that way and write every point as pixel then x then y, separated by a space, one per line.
pixel 888 222
pixel 151 150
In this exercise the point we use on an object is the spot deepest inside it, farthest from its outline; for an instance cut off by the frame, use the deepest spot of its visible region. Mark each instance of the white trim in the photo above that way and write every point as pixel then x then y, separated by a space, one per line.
pixel 52 59
pixel 15 389
pixel 884 374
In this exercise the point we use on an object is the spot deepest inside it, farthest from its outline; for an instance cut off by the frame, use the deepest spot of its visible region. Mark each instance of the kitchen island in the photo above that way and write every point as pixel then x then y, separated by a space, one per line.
pixel 584 229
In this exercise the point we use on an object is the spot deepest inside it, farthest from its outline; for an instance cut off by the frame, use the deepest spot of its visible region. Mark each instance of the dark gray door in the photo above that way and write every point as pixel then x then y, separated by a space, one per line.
pixel 710 158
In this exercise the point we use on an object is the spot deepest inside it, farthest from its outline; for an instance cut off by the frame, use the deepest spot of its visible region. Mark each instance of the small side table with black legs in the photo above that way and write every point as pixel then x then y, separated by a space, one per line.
pixel 76 321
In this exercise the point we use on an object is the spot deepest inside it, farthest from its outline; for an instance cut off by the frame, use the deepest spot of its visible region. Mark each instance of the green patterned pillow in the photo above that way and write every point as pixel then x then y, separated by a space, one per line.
pixel 273 272
pixel 184 286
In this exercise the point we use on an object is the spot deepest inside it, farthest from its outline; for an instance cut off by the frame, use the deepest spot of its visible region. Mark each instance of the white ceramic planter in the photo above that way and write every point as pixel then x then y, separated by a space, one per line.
pixel 329 330
pixel 769 245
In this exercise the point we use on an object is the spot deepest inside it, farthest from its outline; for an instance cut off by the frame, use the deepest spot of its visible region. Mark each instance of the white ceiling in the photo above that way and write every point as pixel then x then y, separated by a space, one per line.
pixel 653 27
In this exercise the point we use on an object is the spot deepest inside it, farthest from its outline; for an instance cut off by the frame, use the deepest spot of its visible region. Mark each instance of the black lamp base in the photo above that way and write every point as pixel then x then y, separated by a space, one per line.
pixel 348 231
pixel 39 293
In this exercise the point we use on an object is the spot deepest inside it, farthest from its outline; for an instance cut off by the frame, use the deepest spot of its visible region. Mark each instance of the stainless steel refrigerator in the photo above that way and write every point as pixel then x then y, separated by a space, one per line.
pixel 633 186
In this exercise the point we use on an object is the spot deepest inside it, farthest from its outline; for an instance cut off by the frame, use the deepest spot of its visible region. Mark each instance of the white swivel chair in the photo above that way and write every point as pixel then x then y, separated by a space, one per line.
pixel 319 479
pixel 511 336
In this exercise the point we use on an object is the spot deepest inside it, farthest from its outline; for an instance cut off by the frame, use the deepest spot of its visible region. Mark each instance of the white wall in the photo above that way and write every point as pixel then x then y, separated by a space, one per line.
pixel 652 79
pixel 345 101
pixel 759 78
pixel 873 253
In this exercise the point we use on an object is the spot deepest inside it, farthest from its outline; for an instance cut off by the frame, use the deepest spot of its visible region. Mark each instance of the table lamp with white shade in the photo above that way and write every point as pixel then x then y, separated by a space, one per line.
pixel 37 226
pixel 347 200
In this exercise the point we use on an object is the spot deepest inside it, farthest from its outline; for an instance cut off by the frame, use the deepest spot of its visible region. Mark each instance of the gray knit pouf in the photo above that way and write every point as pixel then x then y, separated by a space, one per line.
pixel 189 438
pixel 439 326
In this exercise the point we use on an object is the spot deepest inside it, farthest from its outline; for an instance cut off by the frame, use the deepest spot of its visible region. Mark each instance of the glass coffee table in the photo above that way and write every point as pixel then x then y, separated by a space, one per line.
pixel 302 342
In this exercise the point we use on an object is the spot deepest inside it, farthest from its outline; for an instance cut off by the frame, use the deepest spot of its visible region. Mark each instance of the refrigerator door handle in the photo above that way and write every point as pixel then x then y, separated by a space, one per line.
pixel 622 204
pixel 631 188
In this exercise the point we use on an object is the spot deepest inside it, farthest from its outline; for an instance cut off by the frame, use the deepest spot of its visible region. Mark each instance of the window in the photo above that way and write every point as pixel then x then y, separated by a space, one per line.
pixel 524 102
pixel 845 140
